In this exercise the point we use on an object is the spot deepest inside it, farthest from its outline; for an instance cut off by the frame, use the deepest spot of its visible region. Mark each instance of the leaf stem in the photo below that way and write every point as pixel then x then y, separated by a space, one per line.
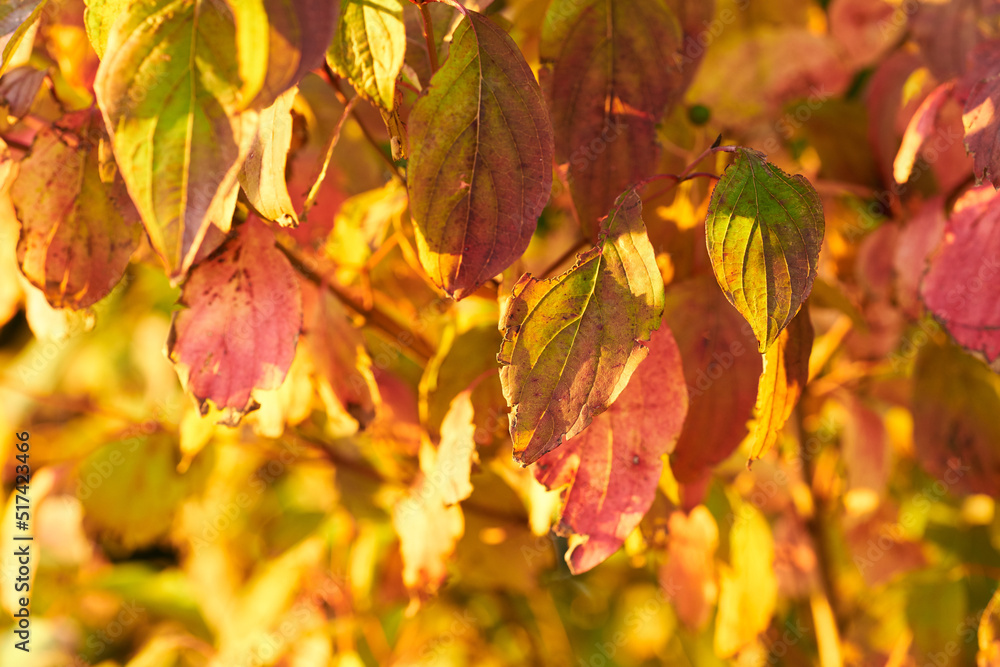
pixel 339 92
pixel 428 24
pixel 421 349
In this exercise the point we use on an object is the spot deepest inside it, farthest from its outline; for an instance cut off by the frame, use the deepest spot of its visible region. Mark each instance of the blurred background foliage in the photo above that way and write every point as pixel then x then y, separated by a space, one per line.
pixel 162 538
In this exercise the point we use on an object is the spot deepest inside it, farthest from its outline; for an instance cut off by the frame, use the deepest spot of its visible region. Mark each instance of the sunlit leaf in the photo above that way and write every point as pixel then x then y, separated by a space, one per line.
pixel 764 230
pixel 572 342
pixel 241 323
pixel 99 17
pixel 784 376
pixel 961 286
pixel 612 468
pixel 263 174
pixel 169 89
pixel 300 31
pixel 15 12
pixel 480 165
pixel 721 370
pixel 428 531
pixel 457 450
pixel 747 587
pixel 610 72
pixel 12 49
pixel 252 45
pixel 921 126
pixel 77 232
pixel 981 126
pixel 368 47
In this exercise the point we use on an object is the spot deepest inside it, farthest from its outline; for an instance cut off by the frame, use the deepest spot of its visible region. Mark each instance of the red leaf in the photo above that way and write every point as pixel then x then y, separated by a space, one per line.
pixel 721 367
pixel 921 126
pixel 338 351
pixel 241 325
pixel 610 73
pixel 916 241
pixel 982 124
pixel 961 287
pixel 613 467
pixel 77 232
pixel 480 166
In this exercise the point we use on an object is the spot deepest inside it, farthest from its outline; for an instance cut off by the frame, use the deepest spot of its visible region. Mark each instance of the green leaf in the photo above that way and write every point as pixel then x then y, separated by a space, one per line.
pixel 764 230
pixel 252 37
pixel 16 18
pixel 169 90
pixel 572 342
pixel 480 167
pixel 98 18
pixel 369 46
pixel 263 175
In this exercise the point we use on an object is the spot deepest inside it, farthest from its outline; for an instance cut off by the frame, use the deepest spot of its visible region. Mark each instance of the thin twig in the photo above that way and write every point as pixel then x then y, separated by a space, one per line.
pixel 339 92
pixel 565 257
pixel 314 190
pixel 419 347
pixel 425 14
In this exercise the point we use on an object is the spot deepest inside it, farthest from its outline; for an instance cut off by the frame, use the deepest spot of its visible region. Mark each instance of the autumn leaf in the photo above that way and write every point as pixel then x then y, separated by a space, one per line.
pixel 98 19
pixel 688 576
pixel 747 586
pixel 609 73
pixel 920 127
pixel 764 230
pixel 168 87
pixel 960 287
pixel 956 400
pixel 920 236
pixel 480 165
pixel 611 469
pixel 457 450
pixel 337 348
pixel 28 25
pixel 981 127
pixel 784 376
pixel 77 232
pixel 14 13
pixel 298 34
pixel 263 174
pixel 19 88
pixel 721 372
pixel 572 342
pixel 428 530
pixel 240 325
pixel 369 46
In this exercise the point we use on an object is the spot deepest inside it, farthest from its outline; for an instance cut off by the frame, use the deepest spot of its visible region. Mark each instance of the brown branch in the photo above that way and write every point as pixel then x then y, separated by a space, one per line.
pixel 428 24
pixel 418 346
pixel 565 257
